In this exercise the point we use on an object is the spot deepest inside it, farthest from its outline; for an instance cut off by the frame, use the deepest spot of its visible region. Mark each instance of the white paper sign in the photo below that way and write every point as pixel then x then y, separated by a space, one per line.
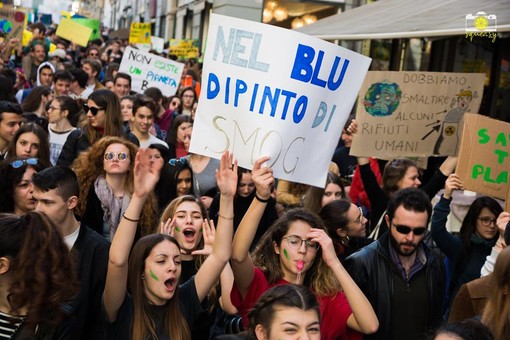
pixel 267 91
pixel 149 70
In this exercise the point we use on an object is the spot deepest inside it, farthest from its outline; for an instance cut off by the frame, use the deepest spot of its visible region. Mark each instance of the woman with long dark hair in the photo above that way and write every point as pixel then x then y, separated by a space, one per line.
pixel 478 234
pixel 346 226
pixel 296 249
pixel 30 141
pixel 36 276
pixel 16 185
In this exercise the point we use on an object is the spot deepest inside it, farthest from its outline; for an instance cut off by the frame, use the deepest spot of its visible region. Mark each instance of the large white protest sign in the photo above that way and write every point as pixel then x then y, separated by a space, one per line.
pixel 149 70
pixel 267 91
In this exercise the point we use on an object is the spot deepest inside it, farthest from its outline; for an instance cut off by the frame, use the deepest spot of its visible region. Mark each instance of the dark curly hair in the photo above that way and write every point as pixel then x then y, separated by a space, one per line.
pixel 43 275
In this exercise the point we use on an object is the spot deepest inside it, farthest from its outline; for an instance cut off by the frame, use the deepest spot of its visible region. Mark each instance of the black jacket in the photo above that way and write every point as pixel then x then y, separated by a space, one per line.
pixel 90 255
pixel 371 268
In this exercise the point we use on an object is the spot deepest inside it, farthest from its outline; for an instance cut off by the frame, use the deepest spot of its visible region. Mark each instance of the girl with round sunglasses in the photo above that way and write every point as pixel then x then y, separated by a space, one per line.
pixel 478 234
pixel 104 118
pixel 16 185
pixel 105 174
pixel 157 306
pixel 296 249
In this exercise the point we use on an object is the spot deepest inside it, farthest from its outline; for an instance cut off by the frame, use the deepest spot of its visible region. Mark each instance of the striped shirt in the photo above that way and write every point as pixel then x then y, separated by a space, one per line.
pixel 9 325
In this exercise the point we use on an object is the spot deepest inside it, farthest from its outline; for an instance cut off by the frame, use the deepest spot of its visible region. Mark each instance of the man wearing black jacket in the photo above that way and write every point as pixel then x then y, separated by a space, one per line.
pixel 56 190
pixel 402 278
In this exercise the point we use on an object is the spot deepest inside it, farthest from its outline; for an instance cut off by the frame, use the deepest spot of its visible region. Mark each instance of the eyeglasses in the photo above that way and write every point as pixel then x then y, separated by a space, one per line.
pixel 295 242
pixel 403 229
pixel 93 110
pixel 487 221
pixel 19 162
pixel 52 108
pixel 110 156
pixel 188 96
pixel 182 160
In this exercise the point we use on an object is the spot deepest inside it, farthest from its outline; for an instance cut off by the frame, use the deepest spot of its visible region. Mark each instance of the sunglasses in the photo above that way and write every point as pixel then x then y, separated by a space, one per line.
pixel 110 156
pixel 406 230
pixel 93 110
pixel 19 163
pixel 175 161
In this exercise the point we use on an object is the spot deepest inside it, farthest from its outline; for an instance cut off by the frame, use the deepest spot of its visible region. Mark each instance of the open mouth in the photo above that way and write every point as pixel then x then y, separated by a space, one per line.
pixel 189 234
pixel 170 284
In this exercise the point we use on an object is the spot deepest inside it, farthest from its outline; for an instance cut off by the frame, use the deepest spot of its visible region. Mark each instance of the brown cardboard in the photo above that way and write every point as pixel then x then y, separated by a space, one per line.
pixel 12 21
pixel 484 156
pixel 414 114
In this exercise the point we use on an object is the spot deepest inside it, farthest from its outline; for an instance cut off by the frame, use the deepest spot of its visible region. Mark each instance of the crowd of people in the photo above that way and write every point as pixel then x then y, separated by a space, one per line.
pixel 111 229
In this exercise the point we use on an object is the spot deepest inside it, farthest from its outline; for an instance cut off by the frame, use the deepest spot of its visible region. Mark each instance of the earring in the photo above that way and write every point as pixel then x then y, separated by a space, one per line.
pixel 143 276
pixel 345 241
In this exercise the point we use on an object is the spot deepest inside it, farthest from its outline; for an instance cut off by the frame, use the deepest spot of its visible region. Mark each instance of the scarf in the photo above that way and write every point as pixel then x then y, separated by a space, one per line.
pixel 113 207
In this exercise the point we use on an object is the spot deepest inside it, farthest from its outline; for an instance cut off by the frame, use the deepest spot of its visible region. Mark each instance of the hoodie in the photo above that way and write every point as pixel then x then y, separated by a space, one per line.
pixel 38 82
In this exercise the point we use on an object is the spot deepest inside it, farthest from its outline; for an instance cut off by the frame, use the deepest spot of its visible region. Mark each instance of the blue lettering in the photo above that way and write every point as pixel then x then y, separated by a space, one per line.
pixel 212 80
pixel 302 69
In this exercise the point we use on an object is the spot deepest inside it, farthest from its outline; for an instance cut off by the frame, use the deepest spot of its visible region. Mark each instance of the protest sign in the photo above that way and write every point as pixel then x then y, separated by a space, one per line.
pixel 257 101
pixel 73 31
pixel 93 24
pixel 149 70
pixel 483 162
pixel 140 33
pixel 157 44
pixel 12 22
pixel 184 48
pixel 414 114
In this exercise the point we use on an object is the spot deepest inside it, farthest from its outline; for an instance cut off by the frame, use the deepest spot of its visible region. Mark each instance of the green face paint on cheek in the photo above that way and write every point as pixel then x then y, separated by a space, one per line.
pixel 286 254
pixel 177 229
pixel 153 275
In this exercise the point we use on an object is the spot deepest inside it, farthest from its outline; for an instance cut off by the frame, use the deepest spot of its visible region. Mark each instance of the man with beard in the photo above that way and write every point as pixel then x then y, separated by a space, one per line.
pixel 402 278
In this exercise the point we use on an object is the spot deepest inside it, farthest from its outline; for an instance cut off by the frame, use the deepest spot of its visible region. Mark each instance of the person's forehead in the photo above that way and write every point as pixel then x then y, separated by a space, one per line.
pixel 10 116
pixel 122 81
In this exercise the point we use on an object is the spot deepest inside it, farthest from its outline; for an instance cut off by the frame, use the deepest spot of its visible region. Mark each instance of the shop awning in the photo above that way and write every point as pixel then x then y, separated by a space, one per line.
pixel 393 19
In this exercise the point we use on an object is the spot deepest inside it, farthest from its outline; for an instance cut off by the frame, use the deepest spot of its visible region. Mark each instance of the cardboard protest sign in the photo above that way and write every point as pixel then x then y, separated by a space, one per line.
pixel 12 22
pixel 414 114
pixel 149 70
pixel 483 162
pixel 140 33
pixel 257 101
pixel 93 24
pixel 73 31
pixel 157 44
pixel 184 48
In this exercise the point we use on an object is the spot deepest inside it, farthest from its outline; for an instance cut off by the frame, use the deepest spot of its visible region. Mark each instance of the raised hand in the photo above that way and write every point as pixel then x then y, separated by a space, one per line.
pixel 168 227
pixel 501 223
pixel 226 175
pixel 145 173
pixel 208 234
pixel 262 178
pixel 353 127
pixel 328 250
pixel 453 182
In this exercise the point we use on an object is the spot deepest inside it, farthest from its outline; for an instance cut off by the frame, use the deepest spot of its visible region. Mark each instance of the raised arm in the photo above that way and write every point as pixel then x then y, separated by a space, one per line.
pixel 363 318
pixel 209 272
pixel 449 244
pixel 146 175
pixel 242 265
